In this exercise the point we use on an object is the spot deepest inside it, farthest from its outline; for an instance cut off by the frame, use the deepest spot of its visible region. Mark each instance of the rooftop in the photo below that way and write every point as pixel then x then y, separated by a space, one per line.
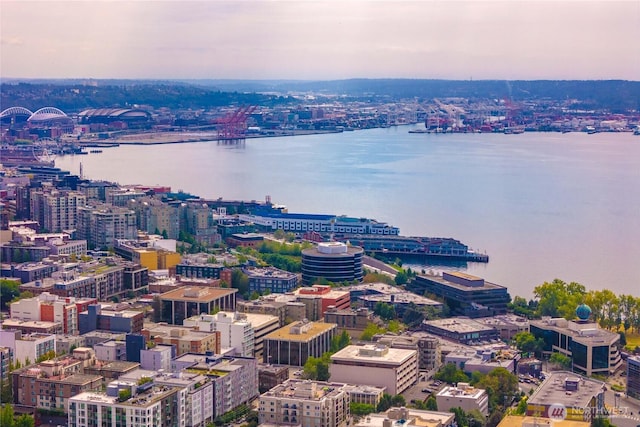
pixel 305 390
pixel 311 330
pixel 461 325
pixel 197 294
pixel 557 388
pixel 579 331
pixel 473 283
pixel 516 421
pixel 462 391
pixel 379 354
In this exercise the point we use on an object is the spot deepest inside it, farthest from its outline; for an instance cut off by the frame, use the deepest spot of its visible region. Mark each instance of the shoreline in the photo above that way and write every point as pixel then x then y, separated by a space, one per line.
pixel 158 138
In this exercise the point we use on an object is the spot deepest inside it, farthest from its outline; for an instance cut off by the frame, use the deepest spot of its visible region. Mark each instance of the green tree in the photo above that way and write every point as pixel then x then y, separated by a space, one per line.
pixel 7 416
pixel 527 343
pixel 501 386
pixel 431 404
pixel 51 354
pixel 384 310
pixel 386 402
pixel 460 417
pixel 340 341
pixel 317 368
pixel 371 330
pixel 559 299
pixel 240 281
pixel 25 420
pixel 323 371
pixel 561 360
pixel 395 326
pixel 450 373
pixel 9 290
pixel 361 409
pixel 401 277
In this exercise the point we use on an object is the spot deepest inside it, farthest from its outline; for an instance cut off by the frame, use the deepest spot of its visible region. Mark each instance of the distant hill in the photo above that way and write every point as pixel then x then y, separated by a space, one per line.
pixel 78 94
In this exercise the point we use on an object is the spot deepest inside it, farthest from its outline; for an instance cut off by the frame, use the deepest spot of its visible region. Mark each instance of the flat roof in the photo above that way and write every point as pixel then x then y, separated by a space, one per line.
pixel 258 321
pixel 486 285
pixel 414 417
pixel 552 390
pixel 197 294
pixel 516 421
pixel 389 355
pixel 585 332
pixel 462 392
pixel 80 379
pixel 461 325
pixel 164 331
pixel 315 329
pixel 12 323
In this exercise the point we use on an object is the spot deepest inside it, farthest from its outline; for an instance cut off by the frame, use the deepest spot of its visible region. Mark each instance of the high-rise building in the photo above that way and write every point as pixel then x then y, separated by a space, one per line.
pixel 56 210
pixel 102 225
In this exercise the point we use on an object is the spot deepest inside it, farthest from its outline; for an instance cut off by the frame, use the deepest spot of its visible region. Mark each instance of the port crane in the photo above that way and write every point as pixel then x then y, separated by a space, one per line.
pixel 234 125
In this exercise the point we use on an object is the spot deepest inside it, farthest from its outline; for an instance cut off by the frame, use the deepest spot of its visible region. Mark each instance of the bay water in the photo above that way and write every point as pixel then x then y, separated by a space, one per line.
pixel 541 205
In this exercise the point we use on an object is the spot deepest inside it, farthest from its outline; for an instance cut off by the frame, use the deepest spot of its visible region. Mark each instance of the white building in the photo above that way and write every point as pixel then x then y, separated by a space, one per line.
pixel 111 350
pixel 235 330
pixel 407 417
pixel 395 369
pixel 157 406
pixel 27 347
pixel 305 403
pixel 200 391
pixel 157 358
pixel 463 396
pixel 48 307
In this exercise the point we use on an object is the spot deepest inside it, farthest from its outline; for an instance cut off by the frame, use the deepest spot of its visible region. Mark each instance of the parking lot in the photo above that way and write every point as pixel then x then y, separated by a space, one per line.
pixel 422 390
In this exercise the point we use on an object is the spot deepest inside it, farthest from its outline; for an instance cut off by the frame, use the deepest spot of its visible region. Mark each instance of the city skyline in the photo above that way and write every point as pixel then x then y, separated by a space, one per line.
pixel 321 40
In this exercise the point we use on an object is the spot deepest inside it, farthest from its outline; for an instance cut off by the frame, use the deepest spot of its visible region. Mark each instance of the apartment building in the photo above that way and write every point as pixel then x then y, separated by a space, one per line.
pixel 305 403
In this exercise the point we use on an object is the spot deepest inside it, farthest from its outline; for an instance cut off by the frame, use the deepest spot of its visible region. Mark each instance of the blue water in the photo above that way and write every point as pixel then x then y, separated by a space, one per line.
pixel 542 205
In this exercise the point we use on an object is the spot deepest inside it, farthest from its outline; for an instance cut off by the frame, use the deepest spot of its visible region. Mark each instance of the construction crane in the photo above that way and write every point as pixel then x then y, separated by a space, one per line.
pixel 234 125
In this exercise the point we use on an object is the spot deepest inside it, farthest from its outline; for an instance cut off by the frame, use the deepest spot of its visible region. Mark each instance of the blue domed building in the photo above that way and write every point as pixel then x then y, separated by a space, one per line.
pixel 583 312
pixel 592 350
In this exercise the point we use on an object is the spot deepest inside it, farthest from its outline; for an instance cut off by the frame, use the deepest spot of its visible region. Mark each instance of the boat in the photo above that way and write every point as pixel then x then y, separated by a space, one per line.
pixel 513 130
pixel 418 131
pixel 591 130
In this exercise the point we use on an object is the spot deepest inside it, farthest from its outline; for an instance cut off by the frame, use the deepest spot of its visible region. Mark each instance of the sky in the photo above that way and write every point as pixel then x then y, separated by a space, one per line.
pixel 320 40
